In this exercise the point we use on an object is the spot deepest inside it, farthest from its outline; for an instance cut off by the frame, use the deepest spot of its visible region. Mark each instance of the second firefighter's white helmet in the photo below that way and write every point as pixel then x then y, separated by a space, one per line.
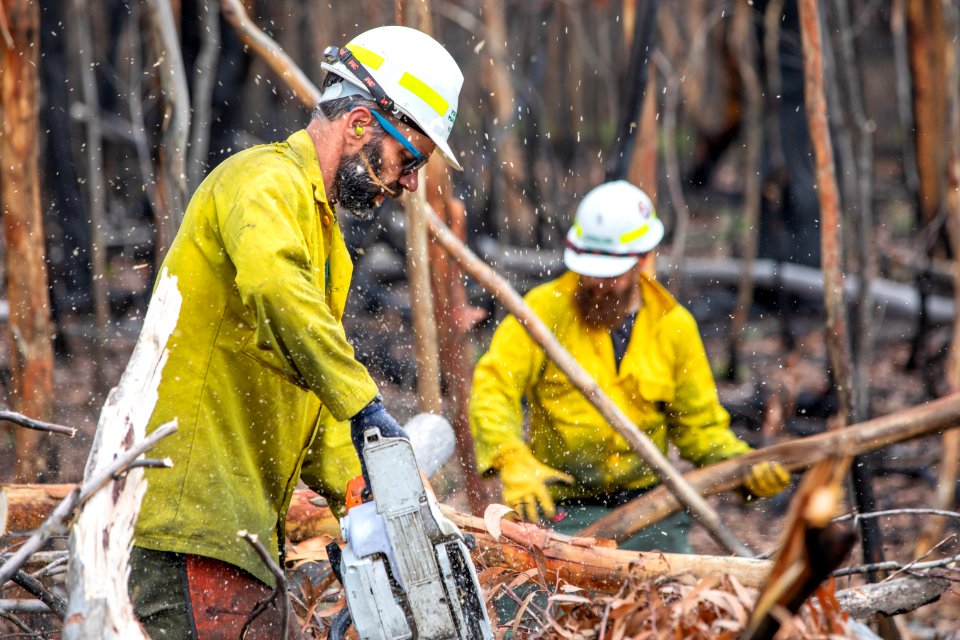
pixel 420 77
pixel 615 225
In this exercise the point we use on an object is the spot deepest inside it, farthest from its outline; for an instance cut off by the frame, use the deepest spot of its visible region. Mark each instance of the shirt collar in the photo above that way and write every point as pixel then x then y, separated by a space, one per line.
pixel 302 145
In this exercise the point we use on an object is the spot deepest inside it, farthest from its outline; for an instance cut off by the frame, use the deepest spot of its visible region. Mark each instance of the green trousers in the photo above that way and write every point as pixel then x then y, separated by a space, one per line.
pixel 160 594
pixel 670 535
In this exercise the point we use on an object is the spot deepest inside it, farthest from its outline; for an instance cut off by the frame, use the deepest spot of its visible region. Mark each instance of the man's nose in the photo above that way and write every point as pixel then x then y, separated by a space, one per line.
pixel 410 181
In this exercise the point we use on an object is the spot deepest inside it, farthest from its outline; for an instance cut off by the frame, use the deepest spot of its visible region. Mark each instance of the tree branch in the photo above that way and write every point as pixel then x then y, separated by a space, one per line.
pixel 279 592
pixel 37 425
pixel 56 523
pixel 265 47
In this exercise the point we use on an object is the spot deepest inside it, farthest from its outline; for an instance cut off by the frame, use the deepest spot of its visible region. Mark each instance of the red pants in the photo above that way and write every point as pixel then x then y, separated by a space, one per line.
pixel 223 597
pixel 187 596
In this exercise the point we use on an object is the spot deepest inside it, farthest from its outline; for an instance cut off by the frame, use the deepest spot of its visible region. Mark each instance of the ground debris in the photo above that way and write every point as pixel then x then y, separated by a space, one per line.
pixel 670 607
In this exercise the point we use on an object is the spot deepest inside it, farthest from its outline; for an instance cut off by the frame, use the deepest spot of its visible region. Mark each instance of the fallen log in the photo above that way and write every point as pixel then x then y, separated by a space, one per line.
pixel 24 507
pixel 588 563
pixel 58 520
pixel 801 453
pixel 526 265
pixel 893 597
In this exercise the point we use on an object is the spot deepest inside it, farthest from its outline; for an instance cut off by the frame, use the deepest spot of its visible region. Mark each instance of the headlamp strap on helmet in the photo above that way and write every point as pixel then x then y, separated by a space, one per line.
pixel 600 252
pixel 333 54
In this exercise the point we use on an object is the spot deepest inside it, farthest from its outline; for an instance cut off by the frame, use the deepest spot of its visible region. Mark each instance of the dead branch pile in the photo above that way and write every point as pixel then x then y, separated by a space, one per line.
pixel 668 607
pixel 674 606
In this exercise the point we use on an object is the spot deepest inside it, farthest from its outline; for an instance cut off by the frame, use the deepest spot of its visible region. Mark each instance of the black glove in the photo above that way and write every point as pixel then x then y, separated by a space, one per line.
pixel 373 415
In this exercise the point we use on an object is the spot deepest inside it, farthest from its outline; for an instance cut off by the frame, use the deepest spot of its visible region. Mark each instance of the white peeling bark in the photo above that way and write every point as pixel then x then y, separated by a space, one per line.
pixel 98 603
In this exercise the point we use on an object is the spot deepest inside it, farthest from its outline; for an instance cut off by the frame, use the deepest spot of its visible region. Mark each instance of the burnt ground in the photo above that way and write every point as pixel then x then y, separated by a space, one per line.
pixel 772 368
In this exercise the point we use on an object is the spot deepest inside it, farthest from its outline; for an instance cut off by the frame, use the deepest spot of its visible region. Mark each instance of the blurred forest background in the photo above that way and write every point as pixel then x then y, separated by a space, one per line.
pixel 700 102
pixel 113 111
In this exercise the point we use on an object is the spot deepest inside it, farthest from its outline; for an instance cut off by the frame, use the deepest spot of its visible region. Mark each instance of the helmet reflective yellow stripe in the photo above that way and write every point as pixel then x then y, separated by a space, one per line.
pixel 615 224
pixel 422 90
pixel 412 74
pixel 408 81
pixel 630 236
pixel 367 58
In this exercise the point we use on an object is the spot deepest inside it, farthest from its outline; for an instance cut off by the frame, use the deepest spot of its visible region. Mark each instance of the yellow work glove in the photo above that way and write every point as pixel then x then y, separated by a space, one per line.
pixel 766 479
pixel 525 481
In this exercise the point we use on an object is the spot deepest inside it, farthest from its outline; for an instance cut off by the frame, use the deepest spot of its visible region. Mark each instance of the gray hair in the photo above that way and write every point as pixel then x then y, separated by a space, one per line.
pixel 331 109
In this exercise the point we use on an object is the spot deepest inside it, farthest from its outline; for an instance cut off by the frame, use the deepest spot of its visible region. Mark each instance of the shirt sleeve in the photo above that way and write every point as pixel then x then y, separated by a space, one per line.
pixel 269 230
pixel 331 461
pixel 500 381
pixel 699 425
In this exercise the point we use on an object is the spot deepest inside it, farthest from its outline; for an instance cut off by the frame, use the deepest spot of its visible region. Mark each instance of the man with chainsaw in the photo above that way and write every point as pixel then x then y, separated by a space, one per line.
pixel 643 349
pixel 261 379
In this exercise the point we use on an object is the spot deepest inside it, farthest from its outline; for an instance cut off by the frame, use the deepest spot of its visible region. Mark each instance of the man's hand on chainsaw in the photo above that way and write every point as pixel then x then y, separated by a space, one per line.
pixel 373 415
pixel 525 481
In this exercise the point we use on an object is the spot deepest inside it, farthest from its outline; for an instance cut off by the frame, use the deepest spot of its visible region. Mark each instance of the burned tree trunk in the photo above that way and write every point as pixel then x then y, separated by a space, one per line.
pixel 950 448
pixel 455 319
pixel 744 45
pixel 927 42
pixel 515 218
pixel 419 267
pixel 172 175
pixel 30 328
pixel 837 331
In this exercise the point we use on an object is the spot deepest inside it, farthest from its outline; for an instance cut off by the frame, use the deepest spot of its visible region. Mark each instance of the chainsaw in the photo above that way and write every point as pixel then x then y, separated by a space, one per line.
pixel 406 569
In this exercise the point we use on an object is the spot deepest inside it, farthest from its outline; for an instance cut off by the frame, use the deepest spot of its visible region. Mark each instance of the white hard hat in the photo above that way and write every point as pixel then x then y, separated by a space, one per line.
pixel 615 225
pixel 409 74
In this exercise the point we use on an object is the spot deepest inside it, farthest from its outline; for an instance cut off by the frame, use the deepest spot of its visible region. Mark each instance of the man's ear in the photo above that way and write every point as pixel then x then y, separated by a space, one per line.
pixel 648 264
pixel 357 128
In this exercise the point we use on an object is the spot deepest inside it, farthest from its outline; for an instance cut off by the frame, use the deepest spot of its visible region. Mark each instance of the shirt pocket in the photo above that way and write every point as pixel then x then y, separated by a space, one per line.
pixel 271 360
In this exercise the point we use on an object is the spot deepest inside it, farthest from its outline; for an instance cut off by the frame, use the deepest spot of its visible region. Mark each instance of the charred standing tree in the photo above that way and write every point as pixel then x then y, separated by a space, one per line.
pixel 418 261
pixel 630 122
pixel 514 218
pixel 455 319
pixel 30 328
pixel 64 219
pixel 744 44
pixel 172 154
pixel 642 164
pixel 945 496
pixel 837 332
pixel 452 315
pixel 926 36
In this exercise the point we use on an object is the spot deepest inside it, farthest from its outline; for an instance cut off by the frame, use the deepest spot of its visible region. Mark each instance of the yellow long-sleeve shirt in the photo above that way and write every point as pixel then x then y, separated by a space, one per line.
pixel 260 376
pixel 664 385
